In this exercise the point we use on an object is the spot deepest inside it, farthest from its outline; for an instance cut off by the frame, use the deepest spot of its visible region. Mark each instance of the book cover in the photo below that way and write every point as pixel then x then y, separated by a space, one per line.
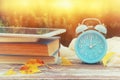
pixel 22 59
pixel 42 47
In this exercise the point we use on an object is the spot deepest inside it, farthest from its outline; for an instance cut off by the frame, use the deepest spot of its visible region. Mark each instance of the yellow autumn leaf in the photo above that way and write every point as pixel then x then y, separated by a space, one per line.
pixel 29 69
pixel 107 58
pixel 10 72
pixel 34 68
pixel 65 61
pixel 36 62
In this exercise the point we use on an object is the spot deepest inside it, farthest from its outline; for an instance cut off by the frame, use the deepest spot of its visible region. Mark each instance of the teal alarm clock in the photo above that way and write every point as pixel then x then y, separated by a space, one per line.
pixel 91 45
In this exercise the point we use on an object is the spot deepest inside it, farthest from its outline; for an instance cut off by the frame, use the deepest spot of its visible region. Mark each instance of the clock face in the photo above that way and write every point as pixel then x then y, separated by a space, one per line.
pixel 91 46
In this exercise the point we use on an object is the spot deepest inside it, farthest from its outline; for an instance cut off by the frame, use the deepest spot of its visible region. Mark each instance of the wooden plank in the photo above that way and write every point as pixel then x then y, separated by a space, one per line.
pixel 76 71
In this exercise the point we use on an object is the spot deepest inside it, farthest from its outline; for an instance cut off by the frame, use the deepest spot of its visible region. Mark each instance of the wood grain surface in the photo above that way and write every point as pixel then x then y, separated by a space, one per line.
pixel 77 71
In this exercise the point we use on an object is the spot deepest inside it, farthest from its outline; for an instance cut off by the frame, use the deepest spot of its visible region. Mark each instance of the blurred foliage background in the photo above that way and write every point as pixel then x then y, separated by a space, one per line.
pixel 60 14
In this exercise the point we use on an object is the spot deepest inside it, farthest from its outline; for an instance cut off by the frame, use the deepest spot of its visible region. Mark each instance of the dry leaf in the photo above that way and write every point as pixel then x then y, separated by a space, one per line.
pixel 107 58
pixel 65 61
pixel 29 69
pixel 31 66
pixel 10 72
pixel 36 62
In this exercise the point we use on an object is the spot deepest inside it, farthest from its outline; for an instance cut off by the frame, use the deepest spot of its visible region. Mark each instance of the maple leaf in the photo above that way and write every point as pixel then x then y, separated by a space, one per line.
pixel 31 66
pixel 65 61
pixel 29 69
pixel 39 62
pixel 24 67
pixel 107 58
pixel 36 62
pixel 10 72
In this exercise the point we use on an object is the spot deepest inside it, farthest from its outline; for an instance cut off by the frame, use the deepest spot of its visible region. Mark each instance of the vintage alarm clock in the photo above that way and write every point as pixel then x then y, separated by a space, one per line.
pixel 91 45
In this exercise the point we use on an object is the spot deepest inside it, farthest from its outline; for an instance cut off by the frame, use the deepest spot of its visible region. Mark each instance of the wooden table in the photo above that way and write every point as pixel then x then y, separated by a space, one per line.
pixel 76 71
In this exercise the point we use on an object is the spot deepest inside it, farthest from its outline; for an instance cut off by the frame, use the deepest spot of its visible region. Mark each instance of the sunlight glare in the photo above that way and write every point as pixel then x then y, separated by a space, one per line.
pixel 63 4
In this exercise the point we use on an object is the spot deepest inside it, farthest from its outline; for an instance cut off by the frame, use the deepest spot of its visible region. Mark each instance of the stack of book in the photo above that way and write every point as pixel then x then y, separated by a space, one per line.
pixel 19 44
pixel 18 50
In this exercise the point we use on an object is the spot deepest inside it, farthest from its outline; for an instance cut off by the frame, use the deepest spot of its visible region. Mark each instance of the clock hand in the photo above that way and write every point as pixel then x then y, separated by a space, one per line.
pixel 91 46
pixel 91 39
